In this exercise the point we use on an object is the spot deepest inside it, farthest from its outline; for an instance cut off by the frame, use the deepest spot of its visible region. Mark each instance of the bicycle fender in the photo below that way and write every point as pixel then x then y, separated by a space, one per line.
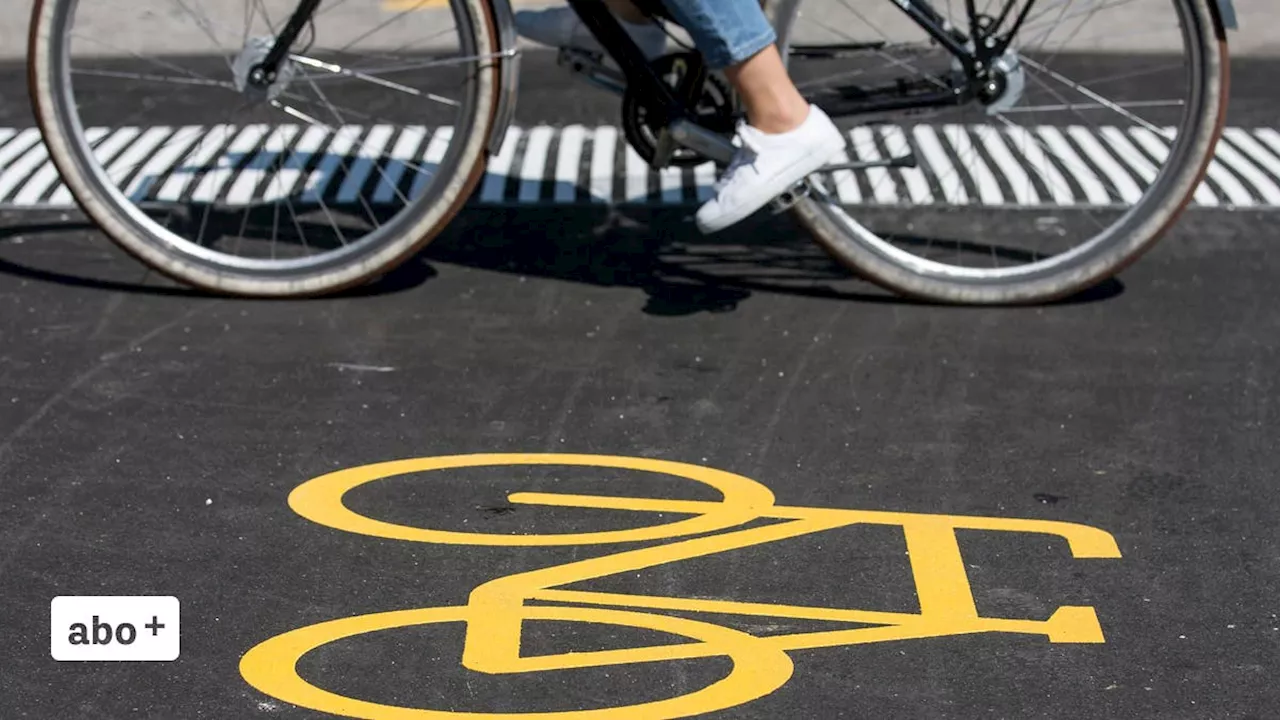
pixel 1227 12
pixel 509 77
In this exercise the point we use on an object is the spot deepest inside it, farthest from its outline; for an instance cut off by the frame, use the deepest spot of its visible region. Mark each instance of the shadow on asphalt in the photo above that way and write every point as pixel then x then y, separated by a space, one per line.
pixel 652 249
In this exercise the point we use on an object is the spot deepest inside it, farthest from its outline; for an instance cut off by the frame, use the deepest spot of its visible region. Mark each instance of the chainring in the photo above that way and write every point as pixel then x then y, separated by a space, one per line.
pixel 714 111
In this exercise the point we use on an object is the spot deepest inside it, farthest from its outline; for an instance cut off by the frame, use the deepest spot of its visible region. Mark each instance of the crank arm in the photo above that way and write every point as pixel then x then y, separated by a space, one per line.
pixel 903 161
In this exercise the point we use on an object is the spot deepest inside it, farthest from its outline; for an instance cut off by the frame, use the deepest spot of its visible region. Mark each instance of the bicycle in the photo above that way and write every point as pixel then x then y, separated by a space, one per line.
pixel 317 186
pixel 498 610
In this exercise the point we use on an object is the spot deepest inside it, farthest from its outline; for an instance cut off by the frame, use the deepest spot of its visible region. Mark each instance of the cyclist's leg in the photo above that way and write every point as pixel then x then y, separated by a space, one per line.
pixel 785 138
pixel 561 27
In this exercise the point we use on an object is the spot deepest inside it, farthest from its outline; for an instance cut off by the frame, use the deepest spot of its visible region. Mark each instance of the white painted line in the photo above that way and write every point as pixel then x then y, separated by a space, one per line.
pixel 211 184
pixel 1265 186
pixel 704 179
pixel 47 176
pixel 17 146
pixel 22 168
pixel 365 163
pixel 604 145
pixel 1055 142
pixel 401 155
pixel 436 150
pixel 1159 149
pixel 953 189
pixel 284 182
pixel 137 153
pixel 1032 148
pixel 863 144
pixel 495 178
pixel 671 182
pixel 1024 192
pixel 1255 150
pixel 205 148
pixel 156 165
pixel 636 175
pixel 241 191
pixel 847 189
pixel 62 196
pixel 1007 166
pixel 1130 155
pixel 1235 191
pixel 988 187
pixel 569 162
pixel 1123 183
pixel 322 176
pixel 1266 135
pixel 533 166
pixel 917 184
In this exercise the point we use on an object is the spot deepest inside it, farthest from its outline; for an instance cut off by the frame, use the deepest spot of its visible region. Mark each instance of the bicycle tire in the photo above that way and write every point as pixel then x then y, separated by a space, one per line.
pixel 419 222
pixel 1102 257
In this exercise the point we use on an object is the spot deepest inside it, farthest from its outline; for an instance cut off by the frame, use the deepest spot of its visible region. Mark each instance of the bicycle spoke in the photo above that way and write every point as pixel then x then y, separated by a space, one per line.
pixel 339 70
pixel 157 78
pixel 1087 93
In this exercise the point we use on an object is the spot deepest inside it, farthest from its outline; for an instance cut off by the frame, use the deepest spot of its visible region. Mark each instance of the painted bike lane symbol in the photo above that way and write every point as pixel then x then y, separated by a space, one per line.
pixel 497 610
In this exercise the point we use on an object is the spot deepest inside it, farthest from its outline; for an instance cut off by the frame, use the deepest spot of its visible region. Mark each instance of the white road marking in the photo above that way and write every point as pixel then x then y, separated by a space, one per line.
pixel 1056 143
pixel 365 163
pixel 1159 149
pixel 533 166
pixel 636 173
pixel 241 191
pixel 436 150
pixel 401 155
pixel 917 184
pixel 1024 192
pixel 883 188
pixel 569 162
pixel 604 144
pixel 953 190
pixel 495 177
pixel 210 162
pixel 988 186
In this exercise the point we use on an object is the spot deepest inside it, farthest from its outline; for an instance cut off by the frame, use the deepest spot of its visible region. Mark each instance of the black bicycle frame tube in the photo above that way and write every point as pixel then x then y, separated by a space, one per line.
pixel 301 16
pixel 641 77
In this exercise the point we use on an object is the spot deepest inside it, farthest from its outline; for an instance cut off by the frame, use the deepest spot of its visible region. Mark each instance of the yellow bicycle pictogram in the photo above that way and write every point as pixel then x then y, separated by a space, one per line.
pixel 497 610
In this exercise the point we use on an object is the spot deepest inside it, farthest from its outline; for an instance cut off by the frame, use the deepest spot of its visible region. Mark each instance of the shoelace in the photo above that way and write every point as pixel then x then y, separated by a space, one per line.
pixel 746 155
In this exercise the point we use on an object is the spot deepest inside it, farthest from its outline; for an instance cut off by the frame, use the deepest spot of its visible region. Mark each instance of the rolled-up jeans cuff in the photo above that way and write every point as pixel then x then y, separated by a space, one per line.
pixel 723 57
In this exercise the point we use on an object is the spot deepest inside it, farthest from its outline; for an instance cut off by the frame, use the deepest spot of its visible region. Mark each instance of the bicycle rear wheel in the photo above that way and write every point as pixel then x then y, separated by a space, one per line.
pixel 1103 130
pixel 366 145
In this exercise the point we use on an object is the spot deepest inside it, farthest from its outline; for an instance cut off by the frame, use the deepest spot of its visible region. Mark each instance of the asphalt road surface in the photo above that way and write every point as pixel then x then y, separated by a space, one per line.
pixel 885 509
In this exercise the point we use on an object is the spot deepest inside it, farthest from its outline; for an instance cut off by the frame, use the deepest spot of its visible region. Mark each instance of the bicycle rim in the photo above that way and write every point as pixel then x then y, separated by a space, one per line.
pixel 1045 191
pixel 368 143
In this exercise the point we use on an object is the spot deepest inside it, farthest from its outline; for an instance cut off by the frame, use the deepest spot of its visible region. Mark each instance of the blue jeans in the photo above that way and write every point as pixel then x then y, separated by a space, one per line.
pixel 726 32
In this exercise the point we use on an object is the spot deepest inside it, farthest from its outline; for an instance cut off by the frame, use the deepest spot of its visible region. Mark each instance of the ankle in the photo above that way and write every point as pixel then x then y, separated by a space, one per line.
pixel 780 119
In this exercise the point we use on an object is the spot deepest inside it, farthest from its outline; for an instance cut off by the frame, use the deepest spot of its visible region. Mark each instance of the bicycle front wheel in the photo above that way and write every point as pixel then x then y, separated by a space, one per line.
pixel 1096 132
pixel 370 138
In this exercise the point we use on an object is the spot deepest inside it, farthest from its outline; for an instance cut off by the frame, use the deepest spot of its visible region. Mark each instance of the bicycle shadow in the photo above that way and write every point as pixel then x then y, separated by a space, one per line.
pixel 653 249
pixel 315 201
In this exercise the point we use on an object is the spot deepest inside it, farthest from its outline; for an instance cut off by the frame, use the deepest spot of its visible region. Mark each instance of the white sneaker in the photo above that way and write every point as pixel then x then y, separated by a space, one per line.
pixel 767 165
pixel 561 27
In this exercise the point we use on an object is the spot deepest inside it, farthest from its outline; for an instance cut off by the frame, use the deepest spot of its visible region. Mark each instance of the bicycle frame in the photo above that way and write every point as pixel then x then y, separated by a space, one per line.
pixel 987 40
pixel 671 107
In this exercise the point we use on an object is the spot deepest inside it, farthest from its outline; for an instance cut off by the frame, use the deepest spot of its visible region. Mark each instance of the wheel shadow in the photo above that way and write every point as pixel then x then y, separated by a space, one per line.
pixel 656 250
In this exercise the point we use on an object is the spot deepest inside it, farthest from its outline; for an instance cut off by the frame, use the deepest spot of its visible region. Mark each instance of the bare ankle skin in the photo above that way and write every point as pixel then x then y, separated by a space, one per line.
pixel 773 103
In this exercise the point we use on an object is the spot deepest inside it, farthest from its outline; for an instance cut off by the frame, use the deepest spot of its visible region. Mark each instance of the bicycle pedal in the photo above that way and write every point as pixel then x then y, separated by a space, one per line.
pixel 790 197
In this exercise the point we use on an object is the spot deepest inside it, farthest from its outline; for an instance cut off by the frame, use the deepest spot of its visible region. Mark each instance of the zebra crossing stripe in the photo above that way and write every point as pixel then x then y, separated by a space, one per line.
pixel 970 165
